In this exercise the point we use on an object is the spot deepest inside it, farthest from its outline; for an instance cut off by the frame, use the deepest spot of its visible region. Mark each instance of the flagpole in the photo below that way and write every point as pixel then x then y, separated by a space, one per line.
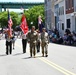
pixel 9 25
pixel 22 7
pixel 8 15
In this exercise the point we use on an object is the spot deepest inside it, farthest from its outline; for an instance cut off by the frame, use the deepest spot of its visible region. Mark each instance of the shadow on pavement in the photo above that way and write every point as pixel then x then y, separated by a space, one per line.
pixel 17 54
pixel 32 57
pixel 3 55
pixel 26 58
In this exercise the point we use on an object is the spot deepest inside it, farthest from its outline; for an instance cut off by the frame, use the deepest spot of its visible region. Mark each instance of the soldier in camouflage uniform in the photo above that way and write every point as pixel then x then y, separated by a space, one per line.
pixel 32 39
pixel 44 42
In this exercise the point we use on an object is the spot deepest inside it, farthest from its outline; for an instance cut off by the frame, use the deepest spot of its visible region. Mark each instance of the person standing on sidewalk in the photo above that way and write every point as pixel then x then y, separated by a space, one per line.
pixel 24 42
pixel 32 39
pixel 44 42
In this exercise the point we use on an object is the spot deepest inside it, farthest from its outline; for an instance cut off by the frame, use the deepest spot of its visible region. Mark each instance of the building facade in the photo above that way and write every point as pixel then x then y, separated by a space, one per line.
pixel 60 14
pixel 65 11
pixel 49 15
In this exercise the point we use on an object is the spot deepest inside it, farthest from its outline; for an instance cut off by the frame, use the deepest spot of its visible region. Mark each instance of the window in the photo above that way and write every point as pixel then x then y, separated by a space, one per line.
pixel 67 4
pixel 59 11
pixel 72 3
pixel 69 1
pixel 62 26
pixel 63 10
pixel 68 23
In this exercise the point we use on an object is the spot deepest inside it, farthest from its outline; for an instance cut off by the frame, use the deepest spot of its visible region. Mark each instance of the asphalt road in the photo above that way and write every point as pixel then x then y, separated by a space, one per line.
pixel 61 61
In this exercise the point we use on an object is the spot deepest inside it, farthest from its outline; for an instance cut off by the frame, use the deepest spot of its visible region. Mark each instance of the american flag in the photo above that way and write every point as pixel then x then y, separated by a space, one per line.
pixel 10 23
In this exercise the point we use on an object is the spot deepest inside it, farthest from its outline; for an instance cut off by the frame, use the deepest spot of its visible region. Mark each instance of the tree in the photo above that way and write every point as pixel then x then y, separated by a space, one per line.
pixel 15 19
pixel 4 19
pixel 32 15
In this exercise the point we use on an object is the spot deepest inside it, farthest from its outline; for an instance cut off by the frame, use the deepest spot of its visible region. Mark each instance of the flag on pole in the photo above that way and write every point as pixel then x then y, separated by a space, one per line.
pixel 24 25
pixel 39 20
pixel 10 23
pixel 40 24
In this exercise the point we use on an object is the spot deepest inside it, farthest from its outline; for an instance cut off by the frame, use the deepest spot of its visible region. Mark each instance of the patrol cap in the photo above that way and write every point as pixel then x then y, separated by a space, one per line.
pixel 33 27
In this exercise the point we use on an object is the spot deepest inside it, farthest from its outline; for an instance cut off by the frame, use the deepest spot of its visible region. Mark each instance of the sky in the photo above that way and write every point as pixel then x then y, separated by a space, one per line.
pixel 21 0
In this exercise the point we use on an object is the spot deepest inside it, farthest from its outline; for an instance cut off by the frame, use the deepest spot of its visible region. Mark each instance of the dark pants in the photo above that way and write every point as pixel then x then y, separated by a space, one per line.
pixel 38 46
pixel 24 43
pixel 8 47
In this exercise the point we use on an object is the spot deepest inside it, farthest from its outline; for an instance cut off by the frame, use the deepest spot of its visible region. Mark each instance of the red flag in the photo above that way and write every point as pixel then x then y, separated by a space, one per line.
pixel 24 25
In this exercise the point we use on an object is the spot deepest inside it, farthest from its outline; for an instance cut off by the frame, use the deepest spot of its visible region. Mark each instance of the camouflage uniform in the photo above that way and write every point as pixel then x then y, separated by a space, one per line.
pixel 44 43
pixel 32 39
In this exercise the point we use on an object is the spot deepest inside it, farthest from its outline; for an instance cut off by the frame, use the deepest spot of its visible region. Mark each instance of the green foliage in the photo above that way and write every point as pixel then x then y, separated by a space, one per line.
pixel 4 19
pixel 14 17
pixel 33 13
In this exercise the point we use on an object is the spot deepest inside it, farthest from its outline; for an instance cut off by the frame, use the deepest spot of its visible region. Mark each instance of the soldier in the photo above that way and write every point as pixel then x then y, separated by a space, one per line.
pixel 44 42
pixel 32 39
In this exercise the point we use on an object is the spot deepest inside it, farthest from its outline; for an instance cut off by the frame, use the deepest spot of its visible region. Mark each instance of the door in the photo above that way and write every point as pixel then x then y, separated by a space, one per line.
pixel 68 23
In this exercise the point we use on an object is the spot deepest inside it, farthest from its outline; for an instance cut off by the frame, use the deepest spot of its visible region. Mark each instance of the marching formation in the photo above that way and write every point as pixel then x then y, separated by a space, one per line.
pixel 35 40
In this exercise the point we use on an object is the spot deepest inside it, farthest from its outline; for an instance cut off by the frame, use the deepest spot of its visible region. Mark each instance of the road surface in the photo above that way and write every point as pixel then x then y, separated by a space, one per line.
pixel 61 61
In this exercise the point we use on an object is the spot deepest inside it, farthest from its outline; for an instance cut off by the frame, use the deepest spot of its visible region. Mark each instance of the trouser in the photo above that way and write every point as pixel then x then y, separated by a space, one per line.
pixel 44 48
pixel 38 46
pixel 13 43
pixel 32 49
pixel 24 43
pixel 8 47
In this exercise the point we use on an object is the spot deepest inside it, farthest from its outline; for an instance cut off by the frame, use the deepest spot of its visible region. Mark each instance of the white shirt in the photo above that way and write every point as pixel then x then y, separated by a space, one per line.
pixel 24 36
